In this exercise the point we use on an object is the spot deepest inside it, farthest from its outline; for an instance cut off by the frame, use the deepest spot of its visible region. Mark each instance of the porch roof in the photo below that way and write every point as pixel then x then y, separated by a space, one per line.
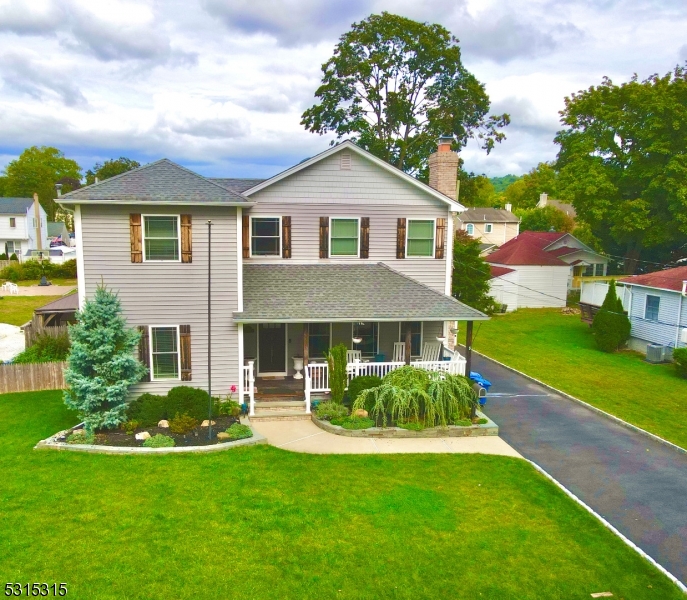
pixel 344 293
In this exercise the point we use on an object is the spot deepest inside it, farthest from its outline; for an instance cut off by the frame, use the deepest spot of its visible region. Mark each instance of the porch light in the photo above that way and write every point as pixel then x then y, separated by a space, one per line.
pixel 357 340
pixel 441 338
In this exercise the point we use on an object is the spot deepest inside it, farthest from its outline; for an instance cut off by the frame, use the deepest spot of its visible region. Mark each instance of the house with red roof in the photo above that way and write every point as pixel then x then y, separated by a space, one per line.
pixel 537 268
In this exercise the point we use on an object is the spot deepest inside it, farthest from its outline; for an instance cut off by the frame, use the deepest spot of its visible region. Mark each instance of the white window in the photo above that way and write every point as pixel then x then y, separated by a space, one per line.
pixel 164 352
pixel 161 237
pixel 369 336
pixel 344 237
pixel 13 222
pixel 10 248
pixel 599 269
pixel 488 227
pixel 470 228
pixel 420 238
pixel 651 308
pixel 265 236
pixel 33 221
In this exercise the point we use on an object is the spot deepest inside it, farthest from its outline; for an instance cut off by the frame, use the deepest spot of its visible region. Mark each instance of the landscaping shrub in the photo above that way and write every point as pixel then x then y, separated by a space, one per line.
pixel 336 360
pixel 33 269
pixel 159 441
pixel 239 432
pixel 611 326
pixel 363 382
pixel 182 424
pixel 129 427
pixel 186 400
pixel 354 422
pixel 411 425
pixel 330 410
pixel 680 358
pixel 45 349
pixel 227 407
pixel 14 257
pixel 147 409
pixel 3 256
pixel 463 422
pixel 80 436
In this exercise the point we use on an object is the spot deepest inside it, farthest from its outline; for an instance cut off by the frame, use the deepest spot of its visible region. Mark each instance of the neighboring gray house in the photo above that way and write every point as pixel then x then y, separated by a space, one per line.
pixel 342 248
pixel 23 226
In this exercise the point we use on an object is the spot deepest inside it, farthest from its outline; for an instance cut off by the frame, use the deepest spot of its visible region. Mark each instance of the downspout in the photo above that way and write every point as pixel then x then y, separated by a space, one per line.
pixel 679 313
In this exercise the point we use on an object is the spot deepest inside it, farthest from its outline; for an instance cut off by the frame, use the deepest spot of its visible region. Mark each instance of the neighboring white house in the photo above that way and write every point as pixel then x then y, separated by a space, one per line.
pixel 23 226
pixel 493 226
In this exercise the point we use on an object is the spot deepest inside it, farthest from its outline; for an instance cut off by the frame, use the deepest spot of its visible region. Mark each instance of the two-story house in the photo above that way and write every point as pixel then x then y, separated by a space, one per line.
pixel 23 227
pixel 492 226
pixel 341 248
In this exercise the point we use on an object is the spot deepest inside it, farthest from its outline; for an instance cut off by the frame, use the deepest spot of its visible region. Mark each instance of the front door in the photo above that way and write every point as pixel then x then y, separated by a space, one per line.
pixel 272 349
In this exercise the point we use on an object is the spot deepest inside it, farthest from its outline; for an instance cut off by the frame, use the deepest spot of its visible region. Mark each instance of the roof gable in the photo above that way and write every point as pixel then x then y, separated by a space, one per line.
pixel 15 206
pixel 160 182
pixel 348 145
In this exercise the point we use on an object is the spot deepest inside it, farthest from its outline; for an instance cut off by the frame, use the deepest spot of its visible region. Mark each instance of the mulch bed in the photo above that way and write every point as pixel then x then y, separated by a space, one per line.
pixel 197 437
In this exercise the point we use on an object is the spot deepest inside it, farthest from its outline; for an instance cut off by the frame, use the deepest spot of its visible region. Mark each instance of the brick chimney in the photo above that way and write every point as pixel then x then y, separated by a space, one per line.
pixel 443 168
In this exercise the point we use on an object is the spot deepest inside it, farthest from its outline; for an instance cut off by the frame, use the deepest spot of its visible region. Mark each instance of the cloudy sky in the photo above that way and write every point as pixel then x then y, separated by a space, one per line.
pixel 219 85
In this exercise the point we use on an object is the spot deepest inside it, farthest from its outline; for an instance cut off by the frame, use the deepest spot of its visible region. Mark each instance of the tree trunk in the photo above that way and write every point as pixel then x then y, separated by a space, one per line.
pixel 632 254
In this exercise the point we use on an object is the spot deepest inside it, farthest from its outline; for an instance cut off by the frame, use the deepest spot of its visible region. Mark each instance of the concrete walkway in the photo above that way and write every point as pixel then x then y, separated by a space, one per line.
pixel 305 436
pixel 638 484
pixel 45 290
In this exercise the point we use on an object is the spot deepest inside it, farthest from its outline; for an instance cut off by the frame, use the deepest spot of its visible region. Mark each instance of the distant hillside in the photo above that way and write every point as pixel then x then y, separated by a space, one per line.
pixel 501 183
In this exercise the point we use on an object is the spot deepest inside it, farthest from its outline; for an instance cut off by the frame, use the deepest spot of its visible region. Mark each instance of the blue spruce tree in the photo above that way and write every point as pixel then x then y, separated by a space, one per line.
pixel 101 363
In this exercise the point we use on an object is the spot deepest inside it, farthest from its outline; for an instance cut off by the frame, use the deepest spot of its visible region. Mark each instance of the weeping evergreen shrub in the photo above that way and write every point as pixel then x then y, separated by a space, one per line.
pixel 411 394
pixel 336 361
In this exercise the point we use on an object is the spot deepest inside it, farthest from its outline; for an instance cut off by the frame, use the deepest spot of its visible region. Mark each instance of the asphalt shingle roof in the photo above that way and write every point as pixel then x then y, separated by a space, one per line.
pixel 65 304
pixel 234 184
pixel 488 215
pixel 670 279
pixel 14 206
pixel 346 292
pixel 160 181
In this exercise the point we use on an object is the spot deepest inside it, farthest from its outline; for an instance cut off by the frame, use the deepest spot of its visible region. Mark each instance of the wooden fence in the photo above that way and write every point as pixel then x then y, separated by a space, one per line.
pixel 4 263
pixel 35 328
pixel 32 377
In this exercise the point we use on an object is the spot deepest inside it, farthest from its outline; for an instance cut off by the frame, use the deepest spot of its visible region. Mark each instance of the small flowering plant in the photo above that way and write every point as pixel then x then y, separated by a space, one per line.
pixel 229 406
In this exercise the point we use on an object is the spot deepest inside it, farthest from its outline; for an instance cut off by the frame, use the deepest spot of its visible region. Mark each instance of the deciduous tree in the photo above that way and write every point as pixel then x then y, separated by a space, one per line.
pixel 545 219
pixel 524 192
pixel 475 190
pixel 395 85
pixel 110 168
pixel 471 274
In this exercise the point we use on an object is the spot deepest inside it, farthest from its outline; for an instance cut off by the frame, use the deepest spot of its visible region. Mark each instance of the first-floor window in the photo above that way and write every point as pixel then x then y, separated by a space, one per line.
pixel 420 238
pixel 10 248
pixel 161 237
pixel 344 237
pixel 651 308
pixel 164 350
pixel 588 271
pixel 470 228
pixel 599 269
pixel 318 340
pixel 415 337
pixel 265 236
pixel 369 334
pixel 488 227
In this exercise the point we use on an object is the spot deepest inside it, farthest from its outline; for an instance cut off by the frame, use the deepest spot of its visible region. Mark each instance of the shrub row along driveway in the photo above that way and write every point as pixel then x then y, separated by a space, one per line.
pixel 639 485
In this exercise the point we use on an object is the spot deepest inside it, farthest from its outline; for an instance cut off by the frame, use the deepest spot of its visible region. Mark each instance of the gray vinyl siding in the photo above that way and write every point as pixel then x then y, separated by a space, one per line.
pixel 305 235
pixel 171 293
pixel 664 330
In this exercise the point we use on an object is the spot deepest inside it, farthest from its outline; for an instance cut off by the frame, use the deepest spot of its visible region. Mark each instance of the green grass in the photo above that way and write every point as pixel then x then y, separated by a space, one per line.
pixel 17 310
pixel 560 350
pixel 53 280
pixel 259 522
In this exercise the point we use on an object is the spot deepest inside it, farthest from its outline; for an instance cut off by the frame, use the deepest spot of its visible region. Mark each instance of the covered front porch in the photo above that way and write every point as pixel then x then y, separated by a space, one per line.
pixel 293 314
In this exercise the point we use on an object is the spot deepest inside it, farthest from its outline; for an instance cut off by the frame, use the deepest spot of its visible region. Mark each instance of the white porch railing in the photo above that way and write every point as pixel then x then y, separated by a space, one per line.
pixel 248 387
pixel 317 374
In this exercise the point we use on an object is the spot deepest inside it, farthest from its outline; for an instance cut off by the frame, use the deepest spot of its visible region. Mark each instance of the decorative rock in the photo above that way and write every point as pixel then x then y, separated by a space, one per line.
pixel 223 435
pixel 163 424
pixel 361 412
pixel 206 423
pixel 144 435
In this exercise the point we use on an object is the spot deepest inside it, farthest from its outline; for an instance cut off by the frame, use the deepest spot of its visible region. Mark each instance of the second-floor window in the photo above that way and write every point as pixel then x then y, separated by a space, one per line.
pixel 420 238
pixel 488 227
pixel 13 222
pixel 344 237
pixel 161 238
pixel 265 238
pixel 470 228
pixel 651 308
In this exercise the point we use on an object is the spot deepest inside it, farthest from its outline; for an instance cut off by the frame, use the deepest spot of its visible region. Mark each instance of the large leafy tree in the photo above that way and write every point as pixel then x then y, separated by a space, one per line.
pixel 110 168
pixel 548 218
pixel 524 192
pixel 37 170
pixel 623 163
pixel 471 273
pixel 475 190
pixel 395 85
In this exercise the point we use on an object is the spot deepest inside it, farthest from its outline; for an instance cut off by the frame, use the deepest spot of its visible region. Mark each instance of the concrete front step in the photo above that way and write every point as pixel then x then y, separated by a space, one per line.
pixel 279 406
pixel 284 415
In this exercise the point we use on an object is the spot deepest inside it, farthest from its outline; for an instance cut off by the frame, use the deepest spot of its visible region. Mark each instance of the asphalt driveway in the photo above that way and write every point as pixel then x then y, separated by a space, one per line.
pixel 639 485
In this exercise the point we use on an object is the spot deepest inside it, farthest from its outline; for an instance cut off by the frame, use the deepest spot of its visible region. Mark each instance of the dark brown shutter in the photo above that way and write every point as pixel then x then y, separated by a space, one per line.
pixel 136 240
pixel 186 237
pixel 365 237
pixel 246 236
pixel 185 349
pixel 440 238
pixel 401 239
pixel 144 349
pixel 286 237
pixel 324 237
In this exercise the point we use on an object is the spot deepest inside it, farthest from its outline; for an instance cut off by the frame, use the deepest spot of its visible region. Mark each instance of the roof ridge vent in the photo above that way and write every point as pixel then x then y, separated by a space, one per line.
pixel 346 163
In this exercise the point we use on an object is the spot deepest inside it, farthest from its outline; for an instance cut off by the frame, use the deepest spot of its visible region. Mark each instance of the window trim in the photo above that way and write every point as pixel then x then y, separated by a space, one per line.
pixel 344 256
pixel 491 228
pixel 143 238
pixel 250 237
pixel 402 337
pixel 13 222
pixel 150 351
pixel 470 229
pixel 434 239
pixel 658 308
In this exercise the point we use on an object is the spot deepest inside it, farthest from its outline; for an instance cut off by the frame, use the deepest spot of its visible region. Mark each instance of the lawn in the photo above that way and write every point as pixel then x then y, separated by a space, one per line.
pixel 17 310
pixel 560 350
pixel 266 523
pixel 53 280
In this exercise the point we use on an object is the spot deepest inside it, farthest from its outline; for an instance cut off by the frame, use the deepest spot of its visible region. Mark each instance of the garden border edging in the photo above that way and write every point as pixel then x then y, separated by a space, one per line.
pixel 600 411
pixel 487 429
